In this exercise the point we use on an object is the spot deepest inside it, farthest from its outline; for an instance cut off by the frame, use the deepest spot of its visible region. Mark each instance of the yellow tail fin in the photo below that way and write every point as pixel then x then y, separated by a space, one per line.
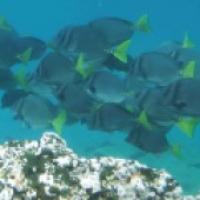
pixel 121 51
pixel 59 121
pixel 187 42
pixel 143 24
pixel 80 67
pixel 189 70
pixel 4 25
pixel 188 126
pixel 143 119
pixel 25 56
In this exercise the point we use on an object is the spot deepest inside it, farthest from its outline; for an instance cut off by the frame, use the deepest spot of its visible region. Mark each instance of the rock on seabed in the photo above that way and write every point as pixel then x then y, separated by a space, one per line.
pixel 48 170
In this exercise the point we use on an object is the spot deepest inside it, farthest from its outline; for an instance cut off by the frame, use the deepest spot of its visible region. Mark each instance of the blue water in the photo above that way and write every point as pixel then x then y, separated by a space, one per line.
pixel 170 19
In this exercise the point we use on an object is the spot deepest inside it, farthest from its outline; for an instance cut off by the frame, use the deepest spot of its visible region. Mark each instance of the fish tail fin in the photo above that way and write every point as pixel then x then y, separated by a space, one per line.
pixel 25 56
pixel 59 121
pixel 188 126
pixel 187 42
pixel 176 151
pixel 143 120
pixel 143 24
pixel 120 52
pixel 4 24
pixel 80 67
pixel 189 70
pixel 20 77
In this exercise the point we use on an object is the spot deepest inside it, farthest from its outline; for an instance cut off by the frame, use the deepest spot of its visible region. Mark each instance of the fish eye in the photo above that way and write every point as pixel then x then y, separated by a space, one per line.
pixel 180 104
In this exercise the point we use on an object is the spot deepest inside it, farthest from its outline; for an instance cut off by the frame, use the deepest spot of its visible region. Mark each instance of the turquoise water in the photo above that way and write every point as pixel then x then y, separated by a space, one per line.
pixel 170 19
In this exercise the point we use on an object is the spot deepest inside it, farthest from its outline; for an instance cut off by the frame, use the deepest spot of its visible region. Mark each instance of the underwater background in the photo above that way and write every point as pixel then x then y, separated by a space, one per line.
pixel 170 20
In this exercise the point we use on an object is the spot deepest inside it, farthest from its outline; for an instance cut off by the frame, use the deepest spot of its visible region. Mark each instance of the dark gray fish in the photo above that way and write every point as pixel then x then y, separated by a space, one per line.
pixel 110 117
pixel 75 100
pixel 154 68
pixel 35 111
pixel 182 55
pixel 8 48
pixel 152 102
pixel 107 87
pixel 74 40
pixel 178 52
pixel 114 63
pixel 37 46
pixel 7 80
pixel 183 97
pixel 149 140
pixel 115 30
pixel 55 69
pixel 10 97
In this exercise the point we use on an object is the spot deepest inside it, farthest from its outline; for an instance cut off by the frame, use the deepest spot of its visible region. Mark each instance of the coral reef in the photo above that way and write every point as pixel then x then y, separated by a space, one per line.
pixel 48 169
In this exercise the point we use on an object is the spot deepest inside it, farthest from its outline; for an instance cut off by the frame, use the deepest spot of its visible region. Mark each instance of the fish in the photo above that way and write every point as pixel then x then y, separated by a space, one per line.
pixel 183 97
pixel 8 55
pixel 154 68
pixel 107 87
pixel 71 41
pixel 41 116
pixel 55 70
pixel 150 108
pixel 182 53
pixel 7 80
pixel 35 46
pixel 116 30
pixel 16 46
pixel 110 117
pixel 11 96
pixel 149 140
pixel 76 100
pixel 113 63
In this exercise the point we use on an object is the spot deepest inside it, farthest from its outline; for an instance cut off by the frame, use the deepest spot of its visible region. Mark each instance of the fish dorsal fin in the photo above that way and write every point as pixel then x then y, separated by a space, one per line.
pixel 189 70
pixel 187 42
pixel 59 121
pixel 81 68
pixel 143 120
pixel 121 51
pixel 25 56
pixel 188 126
pixel 142 24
